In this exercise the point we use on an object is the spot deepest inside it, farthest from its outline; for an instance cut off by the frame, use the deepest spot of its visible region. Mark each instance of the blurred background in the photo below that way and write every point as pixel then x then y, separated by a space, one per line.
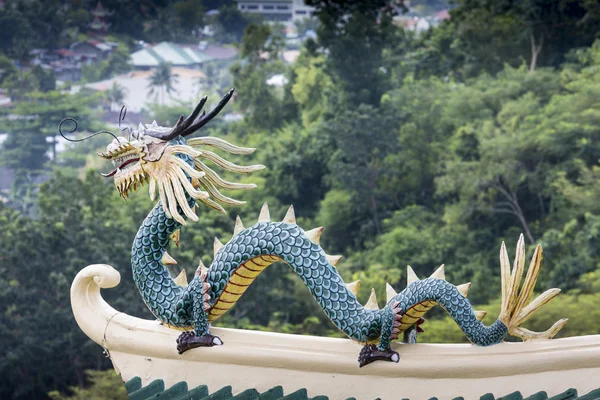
pixel 417 132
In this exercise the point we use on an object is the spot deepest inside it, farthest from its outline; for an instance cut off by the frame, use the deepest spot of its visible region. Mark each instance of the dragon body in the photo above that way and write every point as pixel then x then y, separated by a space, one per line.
pixel 175 169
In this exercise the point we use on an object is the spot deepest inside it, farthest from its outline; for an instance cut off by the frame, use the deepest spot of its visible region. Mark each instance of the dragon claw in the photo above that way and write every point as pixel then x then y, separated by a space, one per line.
pixel 371 353
pixel 188 340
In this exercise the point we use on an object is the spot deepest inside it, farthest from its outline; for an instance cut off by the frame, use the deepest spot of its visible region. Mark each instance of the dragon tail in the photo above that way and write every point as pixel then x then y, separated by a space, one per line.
pixel 422 294
pixel 516 307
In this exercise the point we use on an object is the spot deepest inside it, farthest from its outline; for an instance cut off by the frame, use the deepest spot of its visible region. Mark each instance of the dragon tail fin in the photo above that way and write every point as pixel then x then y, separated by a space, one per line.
pixel 516 307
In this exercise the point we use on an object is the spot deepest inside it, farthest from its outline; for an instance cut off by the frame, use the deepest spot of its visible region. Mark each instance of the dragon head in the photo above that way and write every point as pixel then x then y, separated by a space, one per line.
pixel 173 166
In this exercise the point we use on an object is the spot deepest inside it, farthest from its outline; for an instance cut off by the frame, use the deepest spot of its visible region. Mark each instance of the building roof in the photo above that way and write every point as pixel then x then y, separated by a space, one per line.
pixel 180 391
pixel 171 53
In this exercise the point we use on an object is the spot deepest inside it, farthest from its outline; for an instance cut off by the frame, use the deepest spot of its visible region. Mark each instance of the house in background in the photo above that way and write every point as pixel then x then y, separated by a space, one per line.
pixel 277 10
pixel 174 54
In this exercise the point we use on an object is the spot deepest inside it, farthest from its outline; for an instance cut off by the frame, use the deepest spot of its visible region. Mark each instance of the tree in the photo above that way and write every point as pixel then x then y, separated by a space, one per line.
pixel 162 80
pixel 355 34
pixel 115 95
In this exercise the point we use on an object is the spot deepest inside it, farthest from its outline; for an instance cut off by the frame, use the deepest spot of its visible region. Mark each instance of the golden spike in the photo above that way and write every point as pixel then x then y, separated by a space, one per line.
pixel 201 268
pixel 410 275
pixel 526 334
pixel 167 259
pixel 464 288
pixel 314 235
pixel 290 216
pixel 389 292
pixel 333 260
pixel 530 279
pixel 504 273
pixel 439 273
pixel 480 315
pixel 372 302
pixel 239 226
pixel 217 246
pixel 265 215
pixel 535 305
pixel 181 279
pixel 515 280
pixel 353 287
pixel 175 237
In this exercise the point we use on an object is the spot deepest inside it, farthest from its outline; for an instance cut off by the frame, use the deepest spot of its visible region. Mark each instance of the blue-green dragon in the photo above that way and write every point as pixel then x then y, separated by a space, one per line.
pixel 176 169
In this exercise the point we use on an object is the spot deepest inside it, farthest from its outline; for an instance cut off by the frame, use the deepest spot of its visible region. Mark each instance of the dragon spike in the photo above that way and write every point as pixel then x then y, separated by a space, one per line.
pixel 175 237
pixel 480 315
pixel 410 275
pixel 439 273
pixel 333 260
pixel 168 260
pixel 290 216
pixel 389 292
pixel 201 268
pixel 239 226
pixel 353 287
pixel 372 302
pixel 314 235
pixel 265 215
pixel 181 279
pixel 464 288
pixel 217 246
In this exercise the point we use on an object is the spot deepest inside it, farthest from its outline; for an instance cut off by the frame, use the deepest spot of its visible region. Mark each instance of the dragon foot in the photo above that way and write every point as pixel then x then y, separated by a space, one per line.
pixel 189 340
pixel 371 353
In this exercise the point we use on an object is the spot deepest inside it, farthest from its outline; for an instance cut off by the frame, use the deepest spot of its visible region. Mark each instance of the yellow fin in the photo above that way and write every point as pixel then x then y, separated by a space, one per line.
pixel 290 216
pixel 372 302
pixel 181 279
pixel 389 292
pixel 353 287
pixel 175 237
pixel 167 259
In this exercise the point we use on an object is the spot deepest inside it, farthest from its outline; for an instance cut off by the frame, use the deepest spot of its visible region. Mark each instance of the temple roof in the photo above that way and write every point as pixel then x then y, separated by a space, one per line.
pixel 180 391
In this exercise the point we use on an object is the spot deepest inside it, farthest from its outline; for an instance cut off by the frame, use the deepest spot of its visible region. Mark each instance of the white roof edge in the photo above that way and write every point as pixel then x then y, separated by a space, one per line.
pixel 306 361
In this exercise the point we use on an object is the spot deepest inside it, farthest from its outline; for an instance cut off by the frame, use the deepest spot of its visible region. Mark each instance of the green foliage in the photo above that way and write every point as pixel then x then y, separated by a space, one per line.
pixel 117 63
pixel 103 385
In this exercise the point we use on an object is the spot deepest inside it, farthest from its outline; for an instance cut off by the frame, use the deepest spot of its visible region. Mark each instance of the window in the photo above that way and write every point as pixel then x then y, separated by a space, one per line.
pixel 268 7
pixel 282 7
pixel 300 12
pixel 252 7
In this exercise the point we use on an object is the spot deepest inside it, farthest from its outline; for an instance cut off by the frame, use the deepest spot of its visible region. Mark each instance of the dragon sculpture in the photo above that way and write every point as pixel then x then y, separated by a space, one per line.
pixel 175 168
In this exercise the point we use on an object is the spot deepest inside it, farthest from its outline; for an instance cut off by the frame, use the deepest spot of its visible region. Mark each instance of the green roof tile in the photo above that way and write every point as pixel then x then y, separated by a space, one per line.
pixel 300 394
pixel 133 384
pixel 538 396
pixel 175 391
pixel 568 395
pixel 248 394
pixel 153 388
pixel 222 394
pixel 512 396
pixel 197 393
pixel 593 395
pixel 272 394
pixel 179 391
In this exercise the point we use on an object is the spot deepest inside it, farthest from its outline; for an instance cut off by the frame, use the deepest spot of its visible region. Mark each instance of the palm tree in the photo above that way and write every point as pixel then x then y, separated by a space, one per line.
pixel 115 95
pixel 162 79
